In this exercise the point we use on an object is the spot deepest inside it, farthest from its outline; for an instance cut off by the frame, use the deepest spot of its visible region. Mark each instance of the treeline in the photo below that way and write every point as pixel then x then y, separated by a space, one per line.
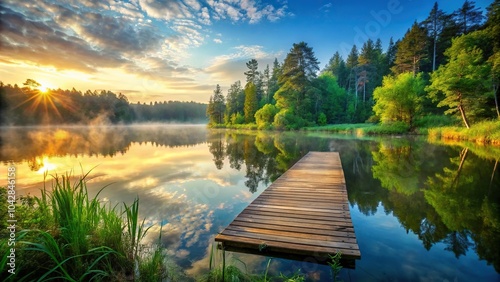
pixel 29 105
pixel 448 63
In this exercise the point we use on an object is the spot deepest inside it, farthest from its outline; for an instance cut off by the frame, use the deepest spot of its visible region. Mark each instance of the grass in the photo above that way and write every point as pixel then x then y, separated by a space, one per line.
pixel 362 129
pixel 247 126
pixel 236 270
pixel 486 132
pixel 70 236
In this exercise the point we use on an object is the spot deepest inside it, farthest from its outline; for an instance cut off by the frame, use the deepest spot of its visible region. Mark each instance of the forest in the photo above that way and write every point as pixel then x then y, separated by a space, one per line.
pixel 28 105
pixel 446 69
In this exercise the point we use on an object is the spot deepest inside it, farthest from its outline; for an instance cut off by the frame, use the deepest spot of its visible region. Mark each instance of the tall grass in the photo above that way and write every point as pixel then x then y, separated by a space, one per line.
pixel 78 238
pixel 487 132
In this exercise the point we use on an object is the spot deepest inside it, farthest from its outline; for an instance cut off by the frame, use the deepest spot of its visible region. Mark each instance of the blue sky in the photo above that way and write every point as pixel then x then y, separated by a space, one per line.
pixel 156 50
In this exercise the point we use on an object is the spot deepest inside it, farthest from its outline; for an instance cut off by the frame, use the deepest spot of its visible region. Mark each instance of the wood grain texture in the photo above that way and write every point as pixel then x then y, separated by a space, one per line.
pixel 304 213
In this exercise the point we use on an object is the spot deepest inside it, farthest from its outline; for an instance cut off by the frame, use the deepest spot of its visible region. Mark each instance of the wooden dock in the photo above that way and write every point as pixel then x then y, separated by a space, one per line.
pixel 304 214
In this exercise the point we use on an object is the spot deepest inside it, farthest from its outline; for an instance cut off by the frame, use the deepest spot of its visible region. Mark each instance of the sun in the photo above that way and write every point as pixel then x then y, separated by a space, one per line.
pixel 44 89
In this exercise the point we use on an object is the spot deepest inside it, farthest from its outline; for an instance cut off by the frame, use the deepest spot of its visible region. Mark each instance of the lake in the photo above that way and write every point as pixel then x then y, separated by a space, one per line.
pixel 422 211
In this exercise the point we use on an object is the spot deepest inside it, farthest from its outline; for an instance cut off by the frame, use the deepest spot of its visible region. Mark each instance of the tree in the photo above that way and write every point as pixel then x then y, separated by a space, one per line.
pixel 332 102
pixel 412 51
pixel 298 70
pixel 435 24
pixel 338 68
pixel 252 73
pixel 266 77
pixel 264 117
pixel 273 84
pixel 352 63
pixel 234 101
pixel 399 98
pixel 493 28
pixel 251 103
pixel 216 107
pixel 468 17
pixel 465 80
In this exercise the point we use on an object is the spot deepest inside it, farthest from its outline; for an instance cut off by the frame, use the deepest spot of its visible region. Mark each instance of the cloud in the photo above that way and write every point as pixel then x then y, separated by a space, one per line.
pixel 148 39
pixel 165 9
pixel 246 10
pixel 326 8
pixel 232 66
pixel 204 16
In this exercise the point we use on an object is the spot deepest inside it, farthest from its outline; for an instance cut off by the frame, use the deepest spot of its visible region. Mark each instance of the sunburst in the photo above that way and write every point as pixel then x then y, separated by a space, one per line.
pixel 42 96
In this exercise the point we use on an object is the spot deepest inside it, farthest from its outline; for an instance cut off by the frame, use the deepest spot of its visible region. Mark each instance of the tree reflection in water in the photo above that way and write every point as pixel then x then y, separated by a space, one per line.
pixel 452 201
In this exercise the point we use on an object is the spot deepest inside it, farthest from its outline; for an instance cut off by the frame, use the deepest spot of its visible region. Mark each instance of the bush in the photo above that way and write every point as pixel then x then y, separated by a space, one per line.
pixel 237 118
pixel 429 121
pixel 322 119
pixel 286 120
pixel 264 117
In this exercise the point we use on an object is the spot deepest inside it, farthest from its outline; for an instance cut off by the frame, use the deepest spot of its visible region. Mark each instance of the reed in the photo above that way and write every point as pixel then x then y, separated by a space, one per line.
pixel 77 238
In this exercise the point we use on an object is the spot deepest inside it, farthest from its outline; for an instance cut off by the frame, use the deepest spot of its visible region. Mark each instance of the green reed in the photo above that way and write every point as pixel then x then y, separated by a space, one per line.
pixel 74 237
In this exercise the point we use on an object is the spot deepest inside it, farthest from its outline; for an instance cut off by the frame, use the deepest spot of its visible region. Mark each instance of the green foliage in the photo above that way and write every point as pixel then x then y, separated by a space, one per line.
pixel 265 116
pixel 287 120
pixel 486 132
pixel 251 102
pixel 79 239
pixel 335 265
pixel 298 72
pixel 399 98
pixel 237 118
pixel 429 121
pixel 331 99
pixel 322 119
pixel 216 107
pixel 235 101
pixel 412 51
pixel 465 81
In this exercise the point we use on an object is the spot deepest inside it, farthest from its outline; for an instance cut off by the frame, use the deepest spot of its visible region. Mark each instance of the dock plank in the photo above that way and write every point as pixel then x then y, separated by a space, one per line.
pixel 304 213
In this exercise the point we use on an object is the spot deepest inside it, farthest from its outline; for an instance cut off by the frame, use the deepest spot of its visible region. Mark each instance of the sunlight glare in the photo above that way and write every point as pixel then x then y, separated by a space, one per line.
pixel 45 165
pixel 44 89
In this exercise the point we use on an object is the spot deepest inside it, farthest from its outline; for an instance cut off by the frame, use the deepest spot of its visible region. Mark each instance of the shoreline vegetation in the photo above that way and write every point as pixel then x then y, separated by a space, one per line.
pixel 484 133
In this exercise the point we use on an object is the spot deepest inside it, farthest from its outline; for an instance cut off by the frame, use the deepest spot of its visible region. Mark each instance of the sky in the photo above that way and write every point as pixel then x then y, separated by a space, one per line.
pixel 161 50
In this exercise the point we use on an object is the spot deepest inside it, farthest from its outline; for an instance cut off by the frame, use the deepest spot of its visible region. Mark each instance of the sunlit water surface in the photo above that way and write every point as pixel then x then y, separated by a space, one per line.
pixel 421 211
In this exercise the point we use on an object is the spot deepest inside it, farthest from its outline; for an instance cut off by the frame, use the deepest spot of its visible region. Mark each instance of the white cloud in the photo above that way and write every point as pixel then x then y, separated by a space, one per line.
pixel 217 40
pixel 204 16
pixel 246 10
pixel 165 9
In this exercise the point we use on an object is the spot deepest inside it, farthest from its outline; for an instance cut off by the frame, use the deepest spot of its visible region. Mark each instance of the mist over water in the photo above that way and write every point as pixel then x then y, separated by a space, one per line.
pixel 421 211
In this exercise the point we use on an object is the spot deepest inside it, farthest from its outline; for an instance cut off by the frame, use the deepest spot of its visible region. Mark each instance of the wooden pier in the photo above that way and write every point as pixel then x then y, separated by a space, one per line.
pixel 304 214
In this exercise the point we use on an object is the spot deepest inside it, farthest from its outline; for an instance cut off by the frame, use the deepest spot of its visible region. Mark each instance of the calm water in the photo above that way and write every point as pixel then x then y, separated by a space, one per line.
pixel 421 211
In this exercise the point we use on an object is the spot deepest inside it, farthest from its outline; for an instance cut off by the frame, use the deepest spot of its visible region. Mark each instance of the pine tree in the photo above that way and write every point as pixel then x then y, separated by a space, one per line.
pixel 435 24
pixel 266 77
pixel 338 68
pixel 298 71
pixel 273 81
pixel 251 103
pixel 233 103
pixel 468 17
pixel 412 51
pixel 252 72
pixel 216 107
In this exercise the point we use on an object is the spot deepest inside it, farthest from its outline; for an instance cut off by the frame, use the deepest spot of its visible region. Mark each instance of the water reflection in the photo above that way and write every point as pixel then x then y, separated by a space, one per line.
pixel 420 210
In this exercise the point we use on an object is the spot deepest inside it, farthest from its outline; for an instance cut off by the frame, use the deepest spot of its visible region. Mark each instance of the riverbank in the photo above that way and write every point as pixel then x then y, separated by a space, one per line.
pixel 487 132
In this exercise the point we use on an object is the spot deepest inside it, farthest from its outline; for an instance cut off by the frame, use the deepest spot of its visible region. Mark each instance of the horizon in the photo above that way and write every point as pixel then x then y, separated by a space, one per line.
pixel 180 50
